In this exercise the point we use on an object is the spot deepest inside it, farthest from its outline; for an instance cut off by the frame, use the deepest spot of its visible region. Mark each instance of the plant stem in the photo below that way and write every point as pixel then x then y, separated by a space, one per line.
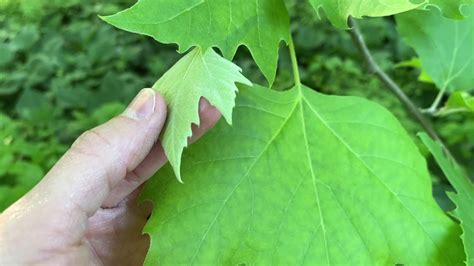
pixel 294 62
pixel 359 41
pixel 434 107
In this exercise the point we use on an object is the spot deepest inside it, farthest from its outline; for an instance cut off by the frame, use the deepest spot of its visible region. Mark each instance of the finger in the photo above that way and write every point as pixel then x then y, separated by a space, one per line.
pixel 116 234
pixel 80 182
pixel 209 116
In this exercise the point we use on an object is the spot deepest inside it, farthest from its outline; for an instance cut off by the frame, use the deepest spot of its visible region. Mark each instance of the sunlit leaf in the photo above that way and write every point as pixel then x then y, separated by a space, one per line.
pixel 260 25
pixel 196 75
pixel 301 178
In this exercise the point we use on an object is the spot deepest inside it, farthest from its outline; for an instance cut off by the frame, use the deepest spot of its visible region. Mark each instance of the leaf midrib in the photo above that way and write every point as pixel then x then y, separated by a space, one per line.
pixel 257 158
pixel 176 101
pixel 313 177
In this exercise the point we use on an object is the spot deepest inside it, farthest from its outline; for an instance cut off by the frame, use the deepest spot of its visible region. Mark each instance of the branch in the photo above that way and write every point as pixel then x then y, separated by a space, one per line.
pixel 359 41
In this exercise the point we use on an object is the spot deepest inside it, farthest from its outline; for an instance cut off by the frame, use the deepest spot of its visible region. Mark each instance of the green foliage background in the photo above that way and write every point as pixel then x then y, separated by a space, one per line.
pixel 63 70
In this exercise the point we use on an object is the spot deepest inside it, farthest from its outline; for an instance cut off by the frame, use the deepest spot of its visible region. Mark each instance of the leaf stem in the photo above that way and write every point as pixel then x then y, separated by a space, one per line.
pixel 434 107
pixel 359 41
pixel 294 62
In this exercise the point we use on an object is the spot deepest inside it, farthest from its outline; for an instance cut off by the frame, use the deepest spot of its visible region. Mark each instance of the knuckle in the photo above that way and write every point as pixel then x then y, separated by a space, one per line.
pixel 91 138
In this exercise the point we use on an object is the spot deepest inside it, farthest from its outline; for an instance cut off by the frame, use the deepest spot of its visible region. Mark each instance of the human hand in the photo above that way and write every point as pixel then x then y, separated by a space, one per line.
pixel 85 210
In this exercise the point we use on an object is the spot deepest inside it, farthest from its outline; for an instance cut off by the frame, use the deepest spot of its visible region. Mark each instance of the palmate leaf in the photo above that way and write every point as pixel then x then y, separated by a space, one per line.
pixel 301 179
pixel 444 46
pixel 464 198
pixel 339 11
pixel 260 25
pixel 196 75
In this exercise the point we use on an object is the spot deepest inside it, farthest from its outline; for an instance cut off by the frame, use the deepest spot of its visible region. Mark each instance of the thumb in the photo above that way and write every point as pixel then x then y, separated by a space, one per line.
pixel 102 157
pixel 99 159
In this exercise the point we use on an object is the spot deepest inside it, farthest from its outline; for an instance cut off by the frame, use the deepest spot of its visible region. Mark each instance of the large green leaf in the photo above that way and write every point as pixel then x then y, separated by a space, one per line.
pixel 445 46
pixel 464 198
pixel 301 179
pixel 196 75
pixel 339 11
pixel 227 24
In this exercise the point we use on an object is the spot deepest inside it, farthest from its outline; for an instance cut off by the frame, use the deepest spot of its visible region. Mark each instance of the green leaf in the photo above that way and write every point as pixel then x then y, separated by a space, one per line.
pixel 464 198
pixel 260 25
pixel 301 179
pixel 6 54
pixel 416 63
pixel 450 8
pixel 339 11
pixel 26 38
pixel 444 46
pixel 458 102
pixel 196 75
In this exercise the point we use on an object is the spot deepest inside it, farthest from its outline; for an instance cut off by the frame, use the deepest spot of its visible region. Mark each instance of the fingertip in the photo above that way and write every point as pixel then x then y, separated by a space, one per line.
pixel 208 117
pixel 203 104
pixel 208 114
pixel 160 107
pixel 157 121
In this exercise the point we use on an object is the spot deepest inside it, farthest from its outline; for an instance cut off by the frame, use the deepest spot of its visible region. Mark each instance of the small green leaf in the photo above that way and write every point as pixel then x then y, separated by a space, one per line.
pixel 416 63
pixel 443 45
pixel 196 75
pixel 260 25
pixel 459 101
pixel 339 11
pixel 464 198
pixel 301 178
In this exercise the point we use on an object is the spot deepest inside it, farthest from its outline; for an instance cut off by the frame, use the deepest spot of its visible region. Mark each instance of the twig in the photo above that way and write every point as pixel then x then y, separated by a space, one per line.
pixel 359 41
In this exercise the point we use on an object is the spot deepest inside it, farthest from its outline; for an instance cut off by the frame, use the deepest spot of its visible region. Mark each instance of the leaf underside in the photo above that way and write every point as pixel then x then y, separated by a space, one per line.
pixel 444 46
pixel 260 25
pixel 339 11
pixel 464 198
pixel 196 75
pixel 301 178
pixel 450 8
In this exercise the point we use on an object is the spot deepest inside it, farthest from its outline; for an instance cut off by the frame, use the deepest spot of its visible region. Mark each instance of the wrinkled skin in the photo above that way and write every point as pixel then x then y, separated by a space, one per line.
pixel 85 210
